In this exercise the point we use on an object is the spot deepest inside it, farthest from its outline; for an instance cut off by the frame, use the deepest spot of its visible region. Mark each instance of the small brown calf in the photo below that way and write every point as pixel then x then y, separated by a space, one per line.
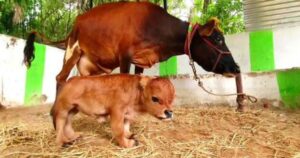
pixel 119 96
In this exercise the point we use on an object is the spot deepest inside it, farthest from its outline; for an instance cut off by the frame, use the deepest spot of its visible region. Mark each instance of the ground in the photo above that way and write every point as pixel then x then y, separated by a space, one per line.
pixel 196 131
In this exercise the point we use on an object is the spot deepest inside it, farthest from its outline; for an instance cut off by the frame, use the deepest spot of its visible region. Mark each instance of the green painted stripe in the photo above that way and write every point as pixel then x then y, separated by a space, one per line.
pixel 262 51
pixel 168 67
pixel 289 87
pixel 34 75
pixel 163 68
pixel 262 59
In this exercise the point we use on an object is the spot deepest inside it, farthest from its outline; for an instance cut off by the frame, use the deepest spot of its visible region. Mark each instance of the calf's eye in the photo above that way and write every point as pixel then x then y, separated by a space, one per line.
pixel 155 99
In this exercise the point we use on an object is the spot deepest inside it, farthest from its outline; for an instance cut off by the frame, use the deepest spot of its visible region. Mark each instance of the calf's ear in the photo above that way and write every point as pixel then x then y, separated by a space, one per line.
pixel 144 81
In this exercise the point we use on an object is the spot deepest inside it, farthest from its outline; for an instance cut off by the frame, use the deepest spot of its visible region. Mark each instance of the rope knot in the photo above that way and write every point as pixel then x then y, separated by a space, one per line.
pixel 191 62
pixel 200 83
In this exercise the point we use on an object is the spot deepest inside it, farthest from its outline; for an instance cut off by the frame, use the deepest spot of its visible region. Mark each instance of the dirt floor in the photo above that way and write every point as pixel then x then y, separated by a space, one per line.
pixel 202 131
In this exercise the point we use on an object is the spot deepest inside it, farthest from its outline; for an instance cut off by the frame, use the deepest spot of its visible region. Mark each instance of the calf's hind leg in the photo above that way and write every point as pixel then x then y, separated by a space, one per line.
pixel 128 134
pixel 61 119
pixel 68 130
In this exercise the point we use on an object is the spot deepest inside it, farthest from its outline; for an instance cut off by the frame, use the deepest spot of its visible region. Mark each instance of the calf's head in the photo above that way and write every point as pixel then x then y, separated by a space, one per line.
pixel 209 50
pixel 157 97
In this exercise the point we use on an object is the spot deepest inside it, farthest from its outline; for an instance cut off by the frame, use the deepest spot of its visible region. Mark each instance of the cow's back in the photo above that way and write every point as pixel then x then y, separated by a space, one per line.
pixel 124 27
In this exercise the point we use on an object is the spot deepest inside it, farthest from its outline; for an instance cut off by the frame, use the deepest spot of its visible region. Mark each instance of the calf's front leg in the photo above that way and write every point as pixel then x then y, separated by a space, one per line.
pixel 117 125
pixel 128 134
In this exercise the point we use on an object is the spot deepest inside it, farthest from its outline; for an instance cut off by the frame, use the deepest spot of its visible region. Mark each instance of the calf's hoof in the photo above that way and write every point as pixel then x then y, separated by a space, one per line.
pixel 76 136
pixel 68 144
pixel 132 143
pixel 129 143
pixel 136 142
pixel 62 144
pixel 131 136
pixel 102 119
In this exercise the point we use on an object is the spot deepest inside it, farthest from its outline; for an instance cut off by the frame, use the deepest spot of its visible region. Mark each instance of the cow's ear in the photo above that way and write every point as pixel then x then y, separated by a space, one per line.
pixel 208 28
pixel 144 81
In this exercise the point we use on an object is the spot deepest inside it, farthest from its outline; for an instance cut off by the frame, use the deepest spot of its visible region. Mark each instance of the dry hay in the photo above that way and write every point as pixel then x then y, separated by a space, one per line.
pixel 215 131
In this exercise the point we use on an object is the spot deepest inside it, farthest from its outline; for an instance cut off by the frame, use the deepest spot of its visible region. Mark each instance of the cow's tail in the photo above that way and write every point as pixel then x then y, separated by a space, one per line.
pixel 29 47
pixel 28 50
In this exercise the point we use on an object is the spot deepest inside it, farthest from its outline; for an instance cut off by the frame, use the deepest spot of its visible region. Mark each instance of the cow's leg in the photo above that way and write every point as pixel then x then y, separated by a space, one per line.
pixel 239 89
pixel 68 65
pixel 138 70
pixel 117 125
pixel 125 62
pixel 87 68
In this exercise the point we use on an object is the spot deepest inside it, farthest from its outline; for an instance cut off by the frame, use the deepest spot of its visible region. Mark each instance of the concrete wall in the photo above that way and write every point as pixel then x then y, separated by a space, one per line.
pixel 261 85
pixel 21 86
pixel 256 53
pixel 12 73
pixel 274 51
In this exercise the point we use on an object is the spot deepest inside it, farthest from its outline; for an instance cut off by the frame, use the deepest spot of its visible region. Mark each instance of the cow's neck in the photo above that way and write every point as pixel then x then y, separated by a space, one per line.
pixel 175 43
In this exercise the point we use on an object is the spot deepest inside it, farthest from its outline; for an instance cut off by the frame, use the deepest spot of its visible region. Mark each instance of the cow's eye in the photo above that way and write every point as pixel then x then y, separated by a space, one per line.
pixel 219 40
pixel 155 99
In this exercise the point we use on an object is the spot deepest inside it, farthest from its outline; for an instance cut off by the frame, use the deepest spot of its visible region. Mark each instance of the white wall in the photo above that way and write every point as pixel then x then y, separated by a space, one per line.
pixel 287 47
pixel 12 71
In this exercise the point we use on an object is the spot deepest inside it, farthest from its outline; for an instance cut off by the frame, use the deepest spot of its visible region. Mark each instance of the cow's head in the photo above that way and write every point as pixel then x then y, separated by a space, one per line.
pixel 157 97
pixel 209 50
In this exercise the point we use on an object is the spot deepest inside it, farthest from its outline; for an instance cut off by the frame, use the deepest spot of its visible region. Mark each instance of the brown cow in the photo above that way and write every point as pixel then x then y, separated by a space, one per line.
pixel 117 34
pixel 119 96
